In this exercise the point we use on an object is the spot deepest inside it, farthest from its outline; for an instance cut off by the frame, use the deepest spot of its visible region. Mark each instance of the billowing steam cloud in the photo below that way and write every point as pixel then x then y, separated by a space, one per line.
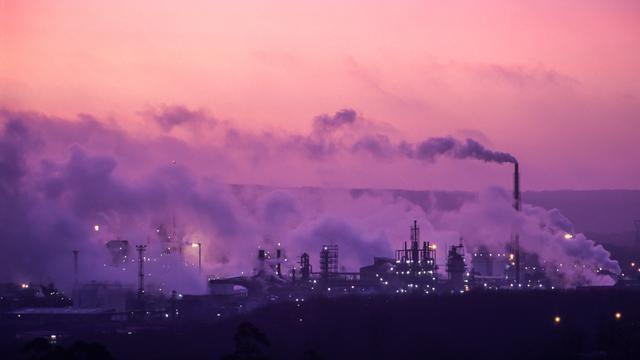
pixel 542 233
pixel 59 178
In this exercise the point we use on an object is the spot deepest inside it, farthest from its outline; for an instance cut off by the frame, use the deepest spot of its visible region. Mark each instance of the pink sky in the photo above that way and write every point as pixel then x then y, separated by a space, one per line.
pixel 555 83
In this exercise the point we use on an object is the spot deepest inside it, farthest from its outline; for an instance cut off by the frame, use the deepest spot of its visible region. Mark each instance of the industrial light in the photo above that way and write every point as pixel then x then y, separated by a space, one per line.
pixel 618 316
pixel 556 319
pixel 568 236
pixel 195 245
pixel 96 228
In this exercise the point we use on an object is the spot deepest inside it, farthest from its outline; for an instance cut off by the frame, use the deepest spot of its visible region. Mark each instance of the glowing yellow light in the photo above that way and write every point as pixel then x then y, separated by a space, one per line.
pixel 618 316
pixel 633 264
pixel 195 245
pixel 433 246
pixel 568 236
pixel 96 227
pixel 24 286
pixel 511 256
pixel 556 319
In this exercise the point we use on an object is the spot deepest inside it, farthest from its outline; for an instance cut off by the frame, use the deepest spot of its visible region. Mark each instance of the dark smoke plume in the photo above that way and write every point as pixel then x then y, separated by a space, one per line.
pixel 430 149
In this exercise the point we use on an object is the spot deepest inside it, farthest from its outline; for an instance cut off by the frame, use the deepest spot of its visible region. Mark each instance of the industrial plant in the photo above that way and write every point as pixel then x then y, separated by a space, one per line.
pixel 417 267
pixel 421 281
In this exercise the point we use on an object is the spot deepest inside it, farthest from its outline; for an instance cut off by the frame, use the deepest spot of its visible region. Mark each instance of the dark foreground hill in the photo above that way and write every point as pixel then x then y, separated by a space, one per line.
pixel 491 325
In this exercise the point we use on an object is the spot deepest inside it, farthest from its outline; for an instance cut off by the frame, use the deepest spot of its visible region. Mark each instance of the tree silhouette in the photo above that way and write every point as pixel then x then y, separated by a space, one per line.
pixel 251 344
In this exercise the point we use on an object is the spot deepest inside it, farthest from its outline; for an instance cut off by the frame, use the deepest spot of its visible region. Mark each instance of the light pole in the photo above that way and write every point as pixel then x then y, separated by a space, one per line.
pixel 199 246
pixel 75 266
pixel 141 249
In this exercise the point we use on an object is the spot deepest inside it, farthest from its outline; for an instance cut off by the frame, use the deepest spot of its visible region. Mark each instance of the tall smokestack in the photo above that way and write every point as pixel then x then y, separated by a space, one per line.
pixel 516 187
pixel 517 203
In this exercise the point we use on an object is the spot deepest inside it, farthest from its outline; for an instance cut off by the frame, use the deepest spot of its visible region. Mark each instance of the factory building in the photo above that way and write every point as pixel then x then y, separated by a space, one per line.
pixel 381 266
pixel 490 264
pixel 456 269
pixel 415 269
pixel 119 251
pixel 103 295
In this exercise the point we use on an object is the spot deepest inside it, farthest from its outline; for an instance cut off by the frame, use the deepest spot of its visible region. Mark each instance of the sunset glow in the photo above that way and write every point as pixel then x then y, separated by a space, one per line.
pixel 521 75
